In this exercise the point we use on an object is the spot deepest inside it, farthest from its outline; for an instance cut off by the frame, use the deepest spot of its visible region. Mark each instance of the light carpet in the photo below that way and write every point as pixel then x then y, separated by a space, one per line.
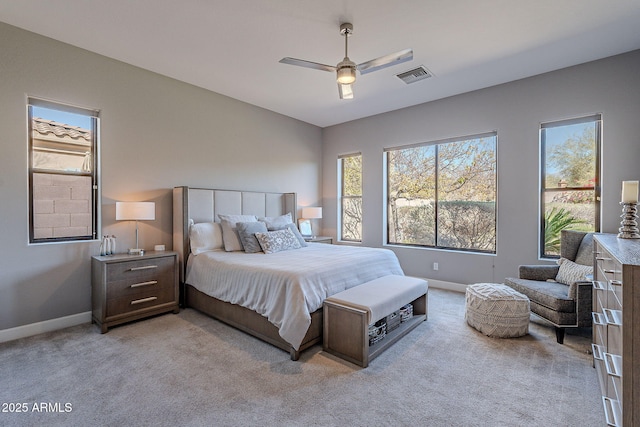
pixel 190 370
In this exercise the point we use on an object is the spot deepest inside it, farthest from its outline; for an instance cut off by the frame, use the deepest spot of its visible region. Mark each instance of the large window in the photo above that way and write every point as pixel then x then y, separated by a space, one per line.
pixel 443 194
pixel 63 201
pixel 350 179
pixel 570 175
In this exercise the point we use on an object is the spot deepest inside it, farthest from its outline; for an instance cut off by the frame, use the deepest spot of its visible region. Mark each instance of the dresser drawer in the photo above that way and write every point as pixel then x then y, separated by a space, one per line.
pixel 149 298
pixel 139 269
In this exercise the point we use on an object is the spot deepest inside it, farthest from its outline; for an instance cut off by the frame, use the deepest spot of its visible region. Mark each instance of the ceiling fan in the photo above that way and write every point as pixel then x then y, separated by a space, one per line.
pixel 346 69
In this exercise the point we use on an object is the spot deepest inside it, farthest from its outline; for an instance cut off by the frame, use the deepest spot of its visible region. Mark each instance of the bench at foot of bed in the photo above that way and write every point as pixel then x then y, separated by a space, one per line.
pixel 361 322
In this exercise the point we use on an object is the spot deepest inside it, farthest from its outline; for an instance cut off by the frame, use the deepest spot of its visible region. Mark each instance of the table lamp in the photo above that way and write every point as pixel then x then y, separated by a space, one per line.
pixel 135 211
pixel 312 213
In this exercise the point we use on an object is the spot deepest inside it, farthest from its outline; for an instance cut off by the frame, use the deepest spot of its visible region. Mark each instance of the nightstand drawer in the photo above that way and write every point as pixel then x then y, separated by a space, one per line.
pixel 139 269
pixel 140 301
pixel 141 284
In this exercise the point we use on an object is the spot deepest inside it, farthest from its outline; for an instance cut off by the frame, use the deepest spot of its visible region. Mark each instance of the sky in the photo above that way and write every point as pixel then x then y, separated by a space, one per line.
pixel 63 117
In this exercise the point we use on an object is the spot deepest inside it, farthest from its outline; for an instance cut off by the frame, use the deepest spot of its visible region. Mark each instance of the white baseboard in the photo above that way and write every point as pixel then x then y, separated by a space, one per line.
pixel 46 326
pixel 450 286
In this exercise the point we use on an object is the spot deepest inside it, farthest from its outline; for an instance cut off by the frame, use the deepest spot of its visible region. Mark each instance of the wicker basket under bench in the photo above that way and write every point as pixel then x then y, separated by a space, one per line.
pixel 349 314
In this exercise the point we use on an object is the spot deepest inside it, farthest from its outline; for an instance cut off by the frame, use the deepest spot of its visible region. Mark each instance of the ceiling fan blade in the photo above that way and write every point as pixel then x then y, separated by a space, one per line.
pixel 307 64
pixel 346 91
pixel 385 61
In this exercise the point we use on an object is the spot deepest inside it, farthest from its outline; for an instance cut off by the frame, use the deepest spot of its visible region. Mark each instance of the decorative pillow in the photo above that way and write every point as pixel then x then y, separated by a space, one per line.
pixel 205 236
pixel 247 231
pixel 229 232
pixel 276 241
pixel 570 272
pixel 276 222
pixel 291 226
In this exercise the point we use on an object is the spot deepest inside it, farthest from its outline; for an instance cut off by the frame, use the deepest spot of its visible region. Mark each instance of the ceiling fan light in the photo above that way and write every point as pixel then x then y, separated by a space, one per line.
pixel 346 75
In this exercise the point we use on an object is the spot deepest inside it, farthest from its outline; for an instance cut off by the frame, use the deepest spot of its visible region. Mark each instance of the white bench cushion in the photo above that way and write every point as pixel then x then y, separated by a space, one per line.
pixel 382 296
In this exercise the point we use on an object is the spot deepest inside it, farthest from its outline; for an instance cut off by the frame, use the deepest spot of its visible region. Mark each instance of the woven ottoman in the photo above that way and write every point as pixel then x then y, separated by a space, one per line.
pixel 496 310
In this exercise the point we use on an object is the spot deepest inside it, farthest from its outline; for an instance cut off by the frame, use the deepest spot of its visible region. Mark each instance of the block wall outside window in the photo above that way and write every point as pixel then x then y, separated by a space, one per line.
pixel 61 206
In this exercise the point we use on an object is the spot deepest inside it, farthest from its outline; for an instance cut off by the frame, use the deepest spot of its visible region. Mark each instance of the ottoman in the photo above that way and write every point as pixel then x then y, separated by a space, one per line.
pixel 497 310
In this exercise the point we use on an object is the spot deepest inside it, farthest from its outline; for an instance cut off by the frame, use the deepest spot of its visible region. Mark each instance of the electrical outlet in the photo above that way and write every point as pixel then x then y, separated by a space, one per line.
pixel 435 266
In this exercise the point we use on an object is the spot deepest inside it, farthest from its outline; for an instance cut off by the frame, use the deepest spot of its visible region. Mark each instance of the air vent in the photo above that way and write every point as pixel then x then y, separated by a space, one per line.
pixel 415 75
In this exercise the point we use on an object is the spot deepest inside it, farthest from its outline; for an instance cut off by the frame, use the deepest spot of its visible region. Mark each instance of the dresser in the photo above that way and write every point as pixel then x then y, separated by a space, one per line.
pixel 616 327
pixel 130 287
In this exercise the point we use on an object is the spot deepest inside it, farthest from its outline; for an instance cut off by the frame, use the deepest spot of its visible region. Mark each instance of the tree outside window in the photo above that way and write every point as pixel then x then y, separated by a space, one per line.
pixel 570 199
pixel 350 168
pixel 443 194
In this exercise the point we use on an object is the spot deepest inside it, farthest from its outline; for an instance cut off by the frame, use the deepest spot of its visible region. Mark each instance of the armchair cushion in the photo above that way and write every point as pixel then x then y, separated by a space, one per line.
pixel 553 295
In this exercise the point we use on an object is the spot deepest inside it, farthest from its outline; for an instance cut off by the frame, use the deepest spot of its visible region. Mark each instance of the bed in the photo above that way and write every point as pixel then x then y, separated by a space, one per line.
pixel 275 297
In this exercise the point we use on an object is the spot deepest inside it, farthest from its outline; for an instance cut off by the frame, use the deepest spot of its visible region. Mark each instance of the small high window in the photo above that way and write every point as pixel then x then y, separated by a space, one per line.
pixel 63 179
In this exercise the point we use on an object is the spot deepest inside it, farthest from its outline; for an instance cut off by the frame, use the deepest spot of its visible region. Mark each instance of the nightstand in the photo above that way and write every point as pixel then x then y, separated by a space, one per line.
pixel 319 239
pixel 130 287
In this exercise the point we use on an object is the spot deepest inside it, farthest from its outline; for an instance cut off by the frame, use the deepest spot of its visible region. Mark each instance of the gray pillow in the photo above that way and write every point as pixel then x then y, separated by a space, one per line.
pixel 276 222
pixel 247 233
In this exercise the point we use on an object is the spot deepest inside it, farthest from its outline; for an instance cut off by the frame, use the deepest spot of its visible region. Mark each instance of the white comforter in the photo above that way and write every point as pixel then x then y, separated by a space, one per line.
pixel 286 287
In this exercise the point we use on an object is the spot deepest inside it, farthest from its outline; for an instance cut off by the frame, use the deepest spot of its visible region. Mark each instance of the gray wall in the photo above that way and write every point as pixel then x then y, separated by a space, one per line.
pixel 515 110
pixel 157 133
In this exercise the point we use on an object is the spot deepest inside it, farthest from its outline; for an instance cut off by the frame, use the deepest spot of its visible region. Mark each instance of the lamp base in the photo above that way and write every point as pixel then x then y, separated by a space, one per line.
pixel 629 224
pixel 136 251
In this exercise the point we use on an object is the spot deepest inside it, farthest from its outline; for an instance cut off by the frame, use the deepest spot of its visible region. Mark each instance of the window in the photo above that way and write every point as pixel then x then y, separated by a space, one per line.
pixel 63 201
pixel 350 179
pixel 570 198
pixel 443 194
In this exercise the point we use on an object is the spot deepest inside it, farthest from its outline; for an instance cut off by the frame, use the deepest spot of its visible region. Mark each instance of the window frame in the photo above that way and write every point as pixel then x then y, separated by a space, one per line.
pixel 342 197
pixel 95 203
pixel 592 118
pixel 436 144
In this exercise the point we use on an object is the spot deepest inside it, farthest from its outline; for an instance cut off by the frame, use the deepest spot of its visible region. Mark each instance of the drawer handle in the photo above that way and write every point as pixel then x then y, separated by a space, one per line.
pixel 600 258
pixel 615 282
pixel 610 271
pixel 144 267
pixel 609 411
pixel 599 286
pixel 612 317
pixel 597 351
pixel 612 362
pixel 150 282
pixel 143 300
pixel 597 319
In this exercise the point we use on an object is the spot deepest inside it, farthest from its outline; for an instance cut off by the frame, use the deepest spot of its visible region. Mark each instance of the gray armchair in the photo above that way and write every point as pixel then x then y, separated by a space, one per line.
pixel 564 306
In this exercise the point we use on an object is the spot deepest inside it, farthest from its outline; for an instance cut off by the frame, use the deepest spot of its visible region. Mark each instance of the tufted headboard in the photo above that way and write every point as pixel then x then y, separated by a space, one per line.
pixel 205 204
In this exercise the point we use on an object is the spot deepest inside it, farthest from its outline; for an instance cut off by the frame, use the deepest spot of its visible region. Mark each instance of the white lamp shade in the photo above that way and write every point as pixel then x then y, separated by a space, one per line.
pixel 139 211
pixel 311 213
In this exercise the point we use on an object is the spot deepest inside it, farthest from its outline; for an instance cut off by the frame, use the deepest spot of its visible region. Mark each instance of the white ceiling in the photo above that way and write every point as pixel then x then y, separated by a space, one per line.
pixel 233 46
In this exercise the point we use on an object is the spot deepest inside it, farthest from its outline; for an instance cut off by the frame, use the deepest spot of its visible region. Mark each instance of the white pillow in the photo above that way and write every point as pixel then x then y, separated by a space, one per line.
pixel 276 222
pixel 205 236
pixel 276 241
pixel 570 272
pixel 230 235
